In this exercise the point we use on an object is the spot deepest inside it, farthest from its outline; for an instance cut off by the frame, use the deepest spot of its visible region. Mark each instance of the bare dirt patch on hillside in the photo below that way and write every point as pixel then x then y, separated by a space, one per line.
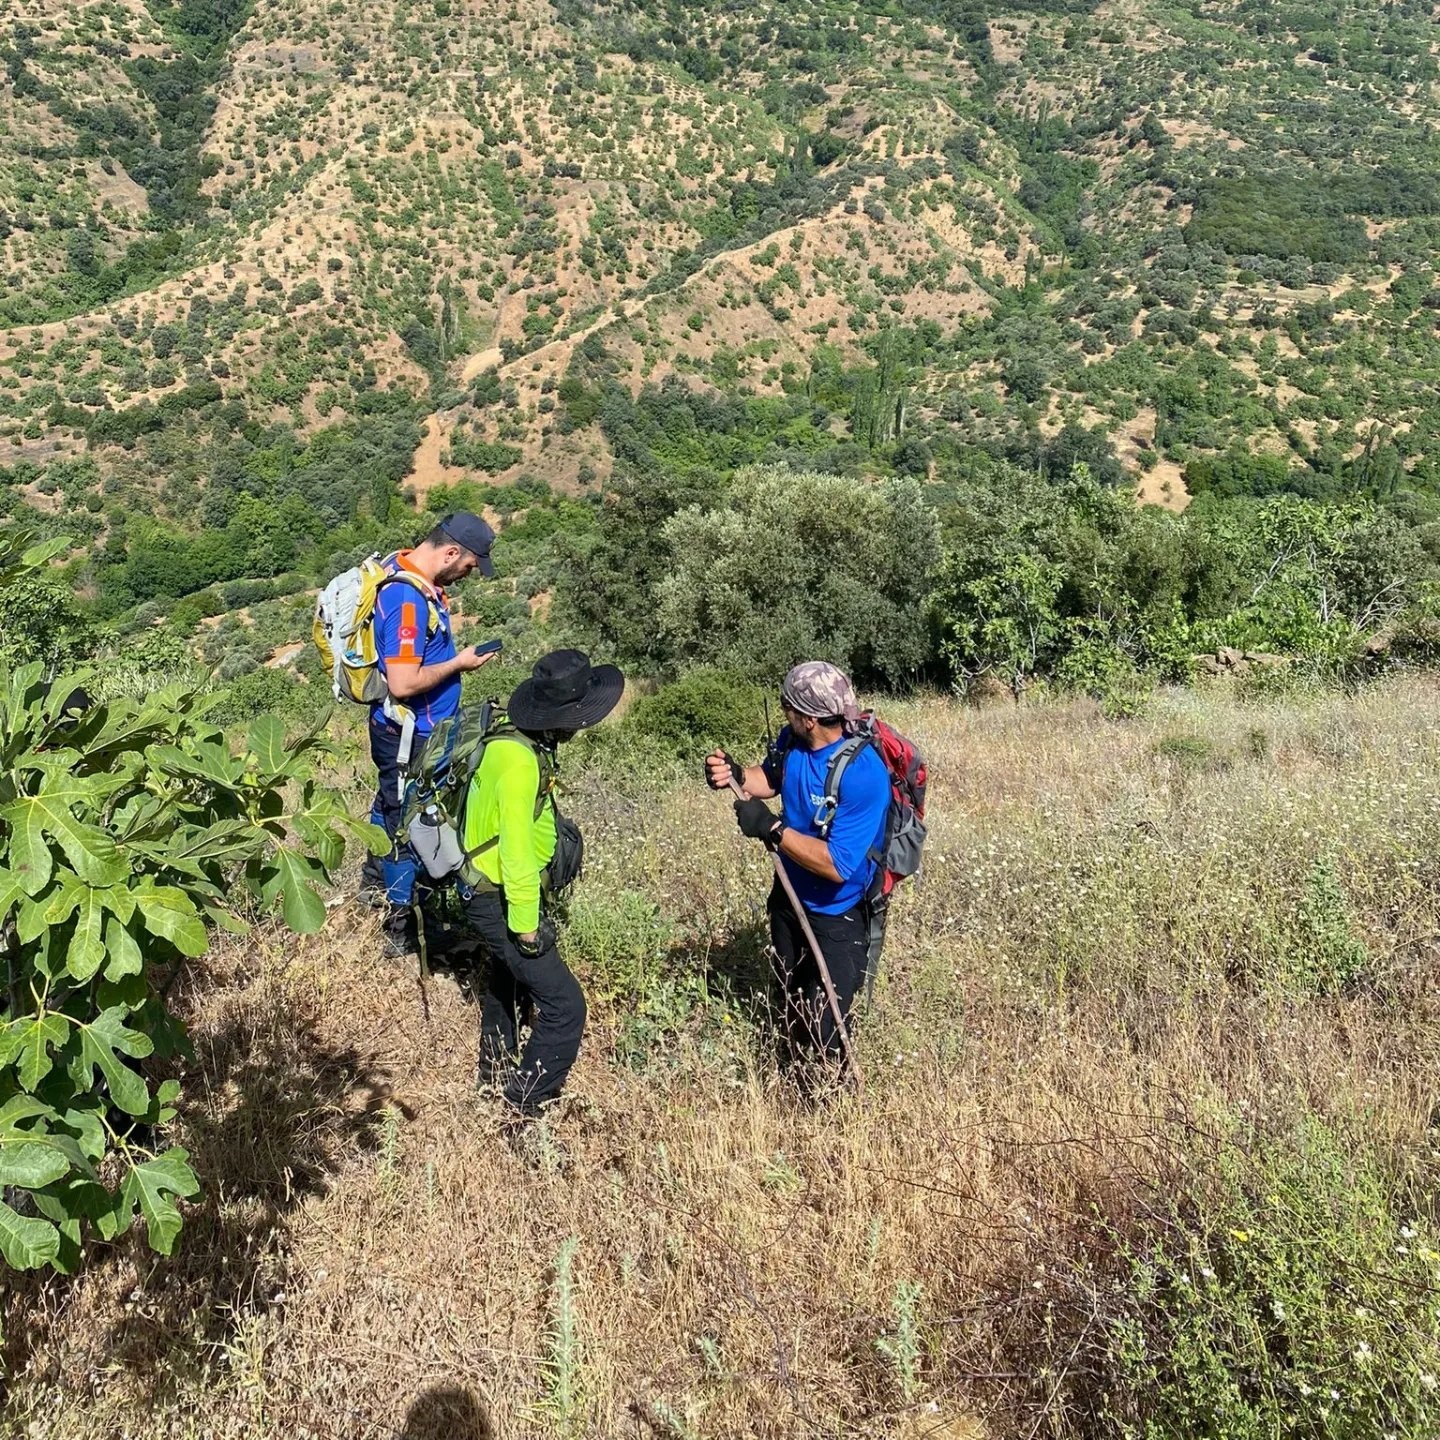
pixel 1198 132
pixel 1163 483
pixel 119 189
pixel 428 469
pixel 1008 36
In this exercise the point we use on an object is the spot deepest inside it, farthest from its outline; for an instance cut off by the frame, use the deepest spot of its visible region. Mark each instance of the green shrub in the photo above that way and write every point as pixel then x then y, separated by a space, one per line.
pixel 704 709
pixel 1193 754
pixel 799 565
pixel 1265 683
pixel 1323 953
pixel 266 691
pixel 627 949
pixel 1285 1289
pixel 619 936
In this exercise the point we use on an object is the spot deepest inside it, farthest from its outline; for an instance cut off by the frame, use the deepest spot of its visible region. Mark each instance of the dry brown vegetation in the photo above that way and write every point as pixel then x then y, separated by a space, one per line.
pixel 1105 959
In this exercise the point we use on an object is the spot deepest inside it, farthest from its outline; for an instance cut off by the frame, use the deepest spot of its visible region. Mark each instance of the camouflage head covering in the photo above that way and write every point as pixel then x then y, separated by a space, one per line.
pixel 818 689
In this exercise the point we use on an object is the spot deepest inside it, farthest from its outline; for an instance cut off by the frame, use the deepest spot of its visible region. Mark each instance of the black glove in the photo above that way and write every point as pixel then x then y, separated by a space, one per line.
pixel 736 773
pixel 757 820
pixel 544 939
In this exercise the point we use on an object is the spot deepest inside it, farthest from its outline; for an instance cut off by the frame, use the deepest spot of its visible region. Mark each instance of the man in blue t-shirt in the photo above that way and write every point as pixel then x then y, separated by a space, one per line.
pixel 422 669
pixel 830 858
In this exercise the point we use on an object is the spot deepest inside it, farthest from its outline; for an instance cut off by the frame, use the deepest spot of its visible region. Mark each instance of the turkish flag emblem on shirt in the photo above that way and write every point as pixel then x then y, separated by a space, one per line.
pixel 408 632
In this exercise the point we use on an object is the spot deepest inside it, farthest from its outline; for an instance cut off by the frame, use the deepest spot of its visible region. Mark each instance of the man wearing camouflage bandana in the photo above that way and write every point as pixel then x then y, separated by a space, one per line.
pixel 830 858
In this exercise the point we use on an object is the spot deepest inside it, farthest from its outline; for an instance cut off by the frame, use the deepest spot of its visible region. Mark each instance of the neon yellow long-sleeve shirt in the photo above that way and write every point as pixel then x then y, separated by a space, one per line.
pixel 501 802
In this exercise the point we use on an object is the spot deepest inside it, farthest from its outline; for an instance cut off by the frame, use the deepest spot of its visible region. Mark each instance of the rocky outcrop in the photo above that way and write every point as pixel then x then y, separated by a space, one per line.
pixel 1229 661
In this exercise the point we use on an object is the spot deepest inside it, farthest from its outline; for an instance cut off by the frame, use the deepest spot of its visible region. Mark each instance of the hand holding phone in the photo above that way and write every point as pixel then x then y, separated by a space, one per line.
pixel 472 657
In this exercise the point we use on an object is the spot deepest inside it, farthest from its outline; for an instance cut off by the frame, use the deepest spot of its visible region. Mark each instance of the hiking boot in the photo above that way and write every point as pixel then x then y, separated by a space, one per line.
pixel 395 947
pixel 372 896
pixel 397 936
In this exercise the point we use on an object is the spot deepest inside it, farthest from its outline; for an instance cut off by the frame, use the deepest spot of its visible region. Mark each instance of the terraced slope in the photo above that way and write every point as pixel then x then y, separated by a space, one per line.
pixel 1185 231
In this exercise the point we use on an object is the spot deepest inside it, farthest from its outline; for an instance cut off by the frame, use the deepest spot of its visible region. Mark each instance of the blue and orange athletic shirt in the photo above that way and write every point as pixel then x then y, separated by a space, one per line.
pixel 403 637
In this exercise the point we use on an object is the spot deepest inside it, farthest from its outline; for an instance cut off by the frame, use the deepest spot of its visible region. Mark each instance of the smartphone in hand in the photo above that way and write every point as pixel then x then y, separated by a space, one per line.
pixel 489 647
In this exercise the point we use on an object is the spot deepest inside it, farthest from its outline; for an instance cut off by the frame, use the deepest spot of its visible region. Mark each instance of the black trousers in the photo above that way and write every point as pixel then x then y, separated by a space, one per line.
pixel 520 989
pixel 808 1025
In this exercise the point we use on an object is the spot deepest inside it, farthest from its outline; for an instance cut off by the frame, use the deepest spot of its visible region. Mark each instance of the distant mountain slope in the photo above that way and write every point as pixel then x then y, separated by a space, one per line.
pixel 1191 230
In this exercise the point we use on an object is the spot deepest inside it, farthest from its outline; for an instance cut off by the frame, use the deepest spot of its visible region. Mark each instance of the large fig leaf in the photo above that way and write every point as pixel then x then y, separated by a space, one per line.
pixel 27 1244
pixel 153 1185
pixel 99 1042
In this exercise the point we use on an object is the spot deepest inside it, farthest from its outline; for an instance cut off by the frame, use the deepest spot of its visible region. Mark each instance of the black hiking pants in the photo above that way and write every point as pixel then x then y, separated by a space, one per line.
pixel 538 990
pixel 807 1023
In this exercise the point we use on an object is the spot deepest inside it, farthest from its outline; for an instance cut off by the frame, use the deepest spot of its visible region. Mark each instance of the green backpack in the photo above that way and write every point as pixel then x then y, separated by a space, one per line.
pixel 432 817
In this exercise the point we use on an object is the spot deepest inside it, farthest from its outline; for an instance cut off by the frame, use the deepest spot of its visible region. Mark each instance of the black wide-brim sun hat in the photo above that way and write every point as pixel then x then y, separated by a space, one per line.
pixel 565 692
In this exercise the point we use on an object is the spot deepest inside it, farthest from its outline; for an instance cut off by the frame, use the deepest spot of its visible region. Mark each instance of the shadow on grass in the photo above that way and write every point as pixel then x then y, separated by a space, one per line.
pixel 736 965
pixel 446 1412
pixel 270 1110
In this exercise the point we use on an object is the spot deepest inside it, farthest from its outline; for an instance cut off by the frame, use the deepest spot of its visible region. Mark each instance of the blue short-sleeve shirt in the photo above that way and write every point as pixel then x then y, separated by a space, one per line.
pixel 858 827
pixel 403 637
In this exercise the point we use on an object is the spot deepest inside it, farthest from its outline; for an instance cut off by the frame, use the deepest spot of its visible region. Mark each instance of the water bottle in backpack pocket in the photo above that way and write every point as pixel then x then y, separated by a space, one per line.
pixel 436 844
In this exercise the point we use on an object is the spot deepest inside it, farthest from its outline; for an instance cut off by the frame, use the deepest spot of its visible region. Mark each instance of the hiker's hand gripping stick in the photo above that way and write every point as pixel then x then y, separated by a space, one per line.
pixel 834 1000
pixel 723 769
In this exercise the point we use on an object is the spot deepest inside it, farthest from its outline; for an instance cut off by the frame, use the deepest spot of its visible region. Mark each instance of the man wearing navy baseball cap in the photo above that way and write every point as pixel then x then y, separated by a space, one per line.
pixel 422 669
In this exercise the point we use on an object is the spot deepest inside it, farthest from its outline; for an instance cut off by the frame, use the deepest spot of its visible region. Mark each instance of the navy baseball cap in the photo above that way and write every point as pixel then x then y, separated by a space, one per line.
pixel 471 533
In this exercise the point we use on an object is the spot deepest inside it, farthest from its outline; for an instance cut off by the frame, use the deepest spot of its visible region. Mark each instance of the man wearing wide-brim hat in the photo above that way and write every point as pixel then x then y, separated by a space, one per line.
pixel 522 850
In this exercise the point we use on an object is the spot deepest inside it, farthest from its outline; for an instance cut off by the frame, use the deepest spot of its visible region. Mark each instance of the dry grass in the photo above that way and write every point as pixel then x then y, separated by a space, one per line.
pixel 1103 956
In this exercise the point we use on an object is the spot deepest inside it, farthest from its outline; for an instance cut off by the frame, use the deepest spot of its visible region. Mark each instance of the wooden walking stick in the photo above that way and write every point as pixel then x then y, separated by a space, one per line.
pixel 830 995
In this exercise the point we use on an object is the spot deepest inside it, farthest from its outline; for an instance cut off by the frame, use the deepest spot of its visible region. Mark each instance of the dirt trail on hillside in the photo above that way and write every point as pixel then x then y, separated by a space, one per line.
pixel 627 308
pixel 427 470
pixel 479 363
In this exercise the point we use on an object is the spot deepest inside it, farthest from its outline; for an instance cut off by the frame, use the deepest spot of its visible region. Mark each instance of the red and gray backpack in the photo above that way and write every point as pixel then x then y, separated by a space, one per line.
pixel 898 852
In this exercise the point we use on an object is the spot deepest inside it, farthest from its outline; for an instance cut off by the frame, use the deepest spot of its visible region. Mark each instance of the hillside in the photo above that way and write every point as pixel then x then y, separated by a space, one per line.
pixel 1147 1134
pixel 1054 353
pixel 1185 229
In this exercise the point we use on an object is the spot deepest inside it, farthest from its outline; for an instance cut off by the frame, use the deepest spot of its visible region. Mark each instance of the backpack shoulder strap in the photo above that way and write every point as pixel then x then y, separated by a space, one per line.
pixel 834 774
pixel 543 760
pixel 505 731
pixel 432 604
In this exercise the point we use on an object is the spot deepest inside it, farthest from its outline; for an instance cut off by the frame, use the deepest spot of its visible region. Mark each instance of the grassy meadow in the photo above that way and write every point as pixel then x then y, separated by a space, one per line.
pixel 1145 1146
